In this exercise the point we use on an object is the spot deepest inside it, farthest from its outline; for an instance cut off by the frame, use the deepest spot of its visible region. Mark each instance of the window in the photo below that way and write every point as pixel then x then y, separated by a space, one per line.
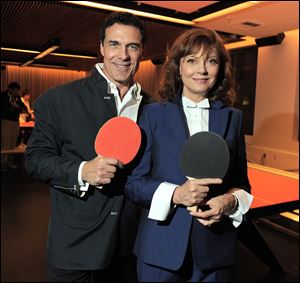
pixel 244 63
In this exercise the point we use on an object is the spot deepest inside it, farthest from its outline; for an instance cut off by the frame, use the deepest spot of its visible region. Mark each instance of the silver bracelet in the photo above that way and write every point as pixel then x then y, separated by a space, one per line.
pixel 236 203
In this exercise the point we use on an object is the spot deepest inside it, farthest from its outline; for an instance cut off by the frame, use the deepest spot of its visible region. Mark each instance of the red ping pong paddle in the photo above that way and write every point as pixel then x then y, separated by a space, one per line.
pixel 204 155
pixel 120 138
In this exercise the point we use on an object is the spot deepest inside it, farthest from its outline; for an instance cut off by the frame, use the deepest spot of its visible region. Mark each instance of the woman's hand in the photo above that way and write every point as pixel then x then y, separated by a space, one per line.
pixel 217 208
pixel 193 192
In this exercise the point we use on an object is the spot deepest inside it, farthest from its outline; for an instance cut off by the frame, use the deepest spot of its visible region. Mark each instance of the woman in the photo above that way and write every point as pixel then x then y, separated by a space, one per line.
pixel 29 115
pixel 197 94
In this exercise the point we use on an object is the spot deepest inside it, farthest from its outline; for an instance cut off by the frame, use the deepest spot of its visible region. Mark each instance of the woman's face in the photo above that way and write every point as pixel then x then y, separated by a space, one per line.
pixel 199 73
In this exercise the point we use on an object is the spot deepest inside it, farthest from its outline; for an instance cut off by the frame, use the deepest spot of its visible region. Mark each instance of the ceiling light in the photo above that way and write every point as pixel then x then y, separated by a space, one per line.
pixel 46 52
pixel 244 42
pixel 135 12
pixel 50 46
pixel 74 56
pixel 54 54
pixel 18 50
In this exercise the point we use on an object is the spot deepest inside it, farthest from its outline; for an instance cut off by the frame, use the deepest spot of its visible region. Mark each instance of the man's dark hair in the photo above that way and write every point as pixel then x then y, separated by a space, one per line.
pixel 122 18
pixel 13 86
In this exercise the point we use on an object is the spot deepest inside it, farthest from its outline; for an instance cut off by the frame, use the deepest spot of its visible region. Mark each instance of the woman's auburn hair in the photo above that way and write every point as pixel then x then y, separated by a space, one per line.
pixel 191 42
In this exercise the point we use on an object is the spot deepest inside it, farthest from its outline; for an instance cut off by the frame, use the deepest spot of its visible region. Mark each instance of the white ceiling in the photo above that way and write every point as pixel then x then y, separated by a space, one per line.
pixel 272 16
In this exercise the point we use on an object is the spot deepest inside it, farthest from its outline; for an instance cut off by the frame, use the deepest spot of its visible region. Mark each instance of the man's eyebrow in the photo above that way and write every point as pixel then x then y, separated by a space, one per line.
pixel 128 44
pixel 113 41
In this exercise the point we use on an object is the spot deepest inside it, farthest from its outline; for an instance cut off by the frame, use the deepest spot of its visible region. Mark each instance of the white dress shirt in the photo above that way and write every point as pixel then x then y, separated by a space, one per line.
pixel 197 115
pixel 127 107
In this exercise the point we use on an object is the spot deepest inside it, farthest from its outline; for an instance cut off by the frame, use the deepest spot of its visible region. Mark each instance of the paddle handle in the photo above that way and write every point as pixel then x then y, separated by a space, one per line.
pixel 195 207
pixel 192 208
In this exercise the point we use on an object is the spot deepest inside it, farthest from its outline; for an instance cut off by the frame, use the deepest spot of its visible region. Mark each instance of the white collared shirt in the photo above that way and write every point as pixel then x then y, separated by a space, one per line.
pixel 127 107
pixel 197 115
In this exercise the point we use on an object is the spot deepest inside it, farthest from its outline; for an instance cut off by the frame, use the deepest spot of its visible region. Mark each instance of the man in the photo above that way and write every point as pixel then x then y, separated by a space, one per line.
pixel 90 223
pixel 11 107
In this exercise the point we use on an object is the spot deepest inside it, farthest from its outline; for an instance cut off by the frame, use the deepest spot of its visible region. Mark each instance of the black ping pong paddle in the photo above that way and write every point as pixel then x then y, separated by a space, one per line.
pixel 204 155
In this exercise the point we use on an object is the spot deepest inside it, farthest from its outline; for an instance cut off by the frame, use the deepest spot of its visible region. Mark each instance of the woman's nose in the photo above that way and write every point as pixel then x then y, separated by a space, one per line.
pixel 201 68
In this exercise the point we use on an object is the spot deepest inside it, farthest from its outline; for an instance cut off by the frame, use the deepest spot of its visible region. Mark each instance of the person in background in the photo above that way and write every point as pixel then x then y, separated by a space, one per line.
pixel 25 117
pixel 11 108
pixel 197 94
pixel 92 225
pixel 29 115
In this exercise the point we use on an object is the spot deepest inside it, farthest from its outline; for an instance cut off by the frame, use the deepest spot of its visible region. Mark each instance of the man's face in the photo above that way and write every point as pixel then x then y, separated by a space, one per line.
pixel 122 51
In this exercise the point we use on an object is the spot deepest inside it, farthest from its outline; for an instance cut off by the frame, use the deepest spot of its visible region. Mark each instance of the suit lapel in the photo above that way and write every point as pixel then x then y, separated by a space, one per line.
pixel 109 100
pixel 218 120
pixel 146 99
pixel 179 122
pixel 106 100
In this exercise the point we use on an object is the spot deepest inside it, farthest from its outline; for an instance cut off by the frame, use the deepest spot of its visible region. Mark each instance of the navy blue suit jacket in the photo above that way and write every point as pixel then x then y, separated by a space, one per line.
pixel 164 243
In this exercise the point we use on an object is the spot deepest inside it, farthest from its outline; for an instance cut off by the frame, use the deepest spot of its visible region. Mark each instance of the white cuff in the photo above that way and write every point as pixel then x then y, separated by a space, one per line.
pixel 161 201
pixel 244 202
pixel 83 186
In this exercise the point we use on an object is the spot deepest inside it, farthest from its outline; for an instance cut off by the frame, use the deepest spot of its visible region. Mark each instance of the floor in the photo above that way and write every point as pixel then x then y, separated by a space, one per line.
pixel 24 220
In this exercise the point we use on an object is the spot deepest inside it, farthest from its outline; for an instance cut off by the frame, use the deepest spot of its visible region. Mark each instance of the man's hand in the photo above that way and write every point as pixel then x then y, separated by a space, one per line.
pixel 100 170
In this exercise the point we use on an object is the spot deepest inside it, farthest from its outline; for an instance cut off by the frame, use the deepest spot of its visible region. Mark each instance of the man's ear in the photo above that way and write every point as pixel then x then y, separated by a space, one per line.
pixel 101 49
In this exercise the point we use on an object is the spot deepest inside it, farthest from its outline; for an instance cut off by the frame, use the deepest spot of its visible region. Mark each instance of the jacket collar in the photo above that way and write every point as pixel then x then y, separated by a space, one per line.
pixel 213 104
pixel 218 120
pixel 99 86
